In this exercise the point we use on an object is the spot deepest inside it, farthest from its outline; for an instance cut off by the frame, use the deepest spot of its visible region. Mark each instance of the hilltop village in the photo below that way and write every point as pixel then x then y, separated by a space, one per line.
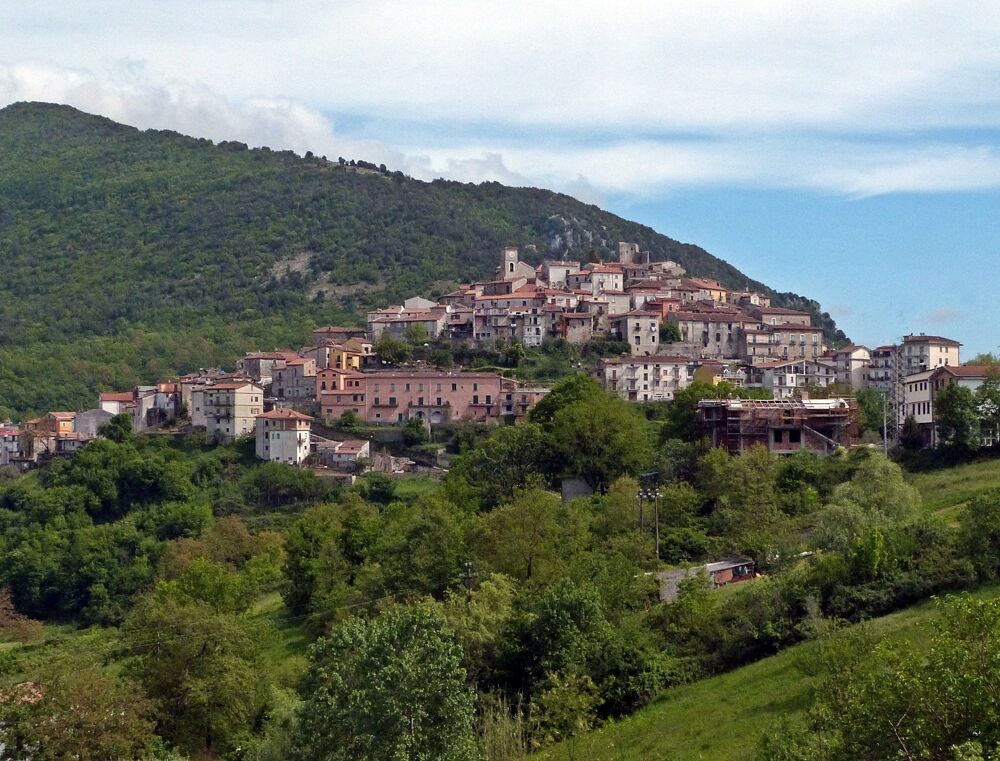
pixel 666 331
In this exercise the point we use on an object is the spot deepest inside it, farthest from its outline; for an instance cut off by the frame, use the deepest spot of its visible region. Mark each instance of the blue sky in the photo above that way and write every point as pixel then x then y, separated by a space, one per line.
pixel 848 151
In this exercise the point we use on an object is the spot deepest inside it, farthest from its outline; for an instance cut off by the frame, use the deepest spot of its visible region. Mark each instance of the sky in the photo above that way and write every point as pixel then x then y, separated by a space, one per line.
pixel 847 151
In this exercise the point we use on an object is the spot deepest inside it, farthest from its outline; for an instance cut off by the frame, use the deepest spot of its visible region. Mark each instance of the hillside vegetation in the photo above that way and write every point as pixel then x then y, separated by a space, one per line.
pixel 724 717
pixel 128 254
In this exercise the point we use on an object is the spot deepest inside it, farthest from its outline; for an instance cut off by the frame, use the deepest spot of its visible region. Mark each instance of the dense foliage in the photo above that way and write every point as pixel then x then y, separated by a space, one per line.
pixel 479 617
pixel 130 255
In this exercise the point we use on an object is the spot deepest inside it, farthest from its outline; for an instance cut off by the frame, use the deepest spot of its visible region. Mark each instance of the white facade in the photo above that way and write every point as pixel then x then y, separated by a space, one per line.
pixel 283 435
pixel 786 379
pixel 646 379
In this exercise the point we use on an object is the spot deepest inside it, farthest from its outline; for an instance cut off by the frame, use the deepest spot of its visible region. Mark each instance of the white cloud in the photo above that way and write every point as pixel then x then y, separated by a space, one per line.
pixel 646 64
pixel 944 315
pixel 638 98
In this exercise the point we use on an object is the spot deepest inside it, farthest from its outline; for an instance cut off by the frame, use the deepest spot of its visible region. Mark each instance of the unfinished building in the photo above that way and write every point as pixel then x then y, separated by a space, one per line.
pixel 784 426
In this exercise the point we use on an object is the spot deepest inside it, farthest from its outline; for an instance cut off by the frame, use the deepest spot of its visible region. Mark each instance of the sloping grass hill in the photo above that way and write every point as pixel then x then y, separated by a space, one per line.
pixel 723 718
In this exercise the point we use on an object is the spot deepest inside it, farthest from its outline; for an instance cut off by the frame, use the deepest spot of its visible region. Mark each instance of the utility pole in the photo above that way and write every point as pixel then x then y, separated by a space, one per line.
pixel 652 495
pixel 469 577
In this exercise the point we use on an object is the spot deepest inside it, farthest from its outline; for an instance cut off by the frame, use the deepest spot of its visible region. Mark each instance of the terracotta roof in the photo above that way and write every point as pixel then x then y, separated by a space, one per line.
pixel 284 413
pixel 662 359
pixel 969 371
pixel 338 329
pixel 116 396
pixel 793 326
pixel 687 316
pixel 783 362
pixel 930 339
pixel 780 310
pixel 637 313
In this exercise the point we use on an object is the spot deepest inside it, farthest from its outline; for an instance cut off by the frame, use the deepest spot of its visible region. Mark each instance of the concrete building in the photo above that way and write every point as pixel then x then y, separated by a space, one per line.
pixel 283 435
pixel 881 373
pixel 640 329
pixel 231 409
pixel 923 352
pixel 921 390
pixel 296 381
pixel 784 426
pixel 10 445
pixel 645 379
pixel 790 378
pixel 853 363
pixel 342 455
pixel 511 267
pixel 715 334
pixel 116 402
pixel 435 396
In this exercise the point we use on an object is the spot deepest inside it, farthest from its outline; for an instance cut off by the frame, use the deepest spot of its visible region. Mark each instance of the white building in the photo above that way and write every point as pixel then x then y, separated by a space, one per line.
pixel 852 363
pixel 786 378
pixel 283 435
pixel 231 409
pixel 646 379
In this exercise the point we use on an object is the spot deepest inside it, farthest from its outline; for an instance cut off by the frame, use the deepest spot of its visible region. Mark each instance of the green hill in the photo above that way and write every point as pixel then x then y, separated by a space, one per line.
pixel 723 718
pixel 128 254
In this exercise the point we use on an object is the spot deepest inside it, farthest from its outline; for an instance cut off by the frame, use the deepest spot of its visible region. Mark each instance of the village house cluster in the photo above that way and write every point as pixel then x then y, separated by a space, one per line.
pixel 678 330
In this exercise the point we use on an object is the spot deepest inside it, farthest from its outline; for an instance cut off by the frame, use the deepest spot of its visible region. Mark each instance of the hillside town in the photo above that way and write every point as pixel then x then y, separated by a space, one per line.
pixel 678 330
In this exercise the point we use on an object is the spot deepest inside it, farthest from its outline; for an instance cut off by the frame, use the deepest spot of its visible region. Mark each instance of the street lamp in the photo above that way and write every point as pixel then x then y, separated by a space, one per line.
pixel 652 495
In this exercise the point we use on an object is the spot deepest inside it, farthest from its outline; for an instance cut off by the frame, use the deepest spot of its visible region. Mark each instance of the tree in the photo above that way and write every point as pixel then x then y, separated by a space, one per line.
pixel 599 439
pixel 415 334
pixel 415 432
pixel 980 534
pixel 391 350
pixel 521 539
pixel 890 700
pixel 988 406
pixel 203 668
pixel 505 461
pixel 957 420
pixel 385 689
pixel 670 332
pixel 76 712
pixel 118 429
pixel 576 388
pixel 873 410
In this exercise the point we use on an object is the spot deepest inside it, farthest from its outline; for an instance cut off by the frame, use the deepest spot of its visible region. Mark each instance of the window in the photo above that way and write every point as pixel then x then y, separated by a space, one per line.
pixel 489 399
pixel 392 401
pixel 475 399
pixel 795 437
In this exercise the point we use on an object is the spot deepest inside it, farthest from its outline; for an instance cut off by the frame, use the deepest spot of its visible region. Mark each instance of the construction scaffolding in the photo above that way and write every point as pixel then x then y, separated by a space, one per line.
pixel 784 426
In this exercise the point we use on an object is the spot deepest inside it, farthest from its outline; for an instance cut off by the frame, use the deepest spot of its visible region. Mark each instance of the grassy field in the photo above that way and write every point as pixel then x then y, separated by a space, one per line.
pixel 946 491
pixel 722 718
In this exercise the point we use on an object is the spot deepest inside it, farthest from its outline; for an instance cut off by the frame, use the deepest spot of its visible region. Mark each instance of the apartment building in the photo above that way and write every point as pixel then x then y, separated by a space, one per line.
pixel 230 409
pixel 923 352
pixel 437 396
pixel 640 329
pixel 788 379
pixel 283 435
pixel 715 334
pixel 853 363
pixel 645 379
pixel 296 381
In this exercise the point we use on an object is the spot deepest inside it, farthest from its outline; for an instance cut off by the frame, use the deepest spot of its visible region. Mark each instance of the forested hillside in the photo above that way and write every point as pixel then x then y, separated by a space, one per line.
pixel 125 255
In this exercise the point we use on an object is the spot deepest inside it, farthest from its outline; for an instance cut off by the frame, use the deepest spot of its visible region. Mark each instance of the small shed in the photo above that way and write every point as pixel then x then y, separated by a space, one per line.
pixel 729 571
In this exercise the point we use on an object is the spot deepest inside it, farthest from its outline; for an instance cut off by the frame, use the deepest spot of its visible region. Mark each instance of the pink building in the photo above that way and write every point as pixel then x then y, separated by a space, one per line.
pixel 436 396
